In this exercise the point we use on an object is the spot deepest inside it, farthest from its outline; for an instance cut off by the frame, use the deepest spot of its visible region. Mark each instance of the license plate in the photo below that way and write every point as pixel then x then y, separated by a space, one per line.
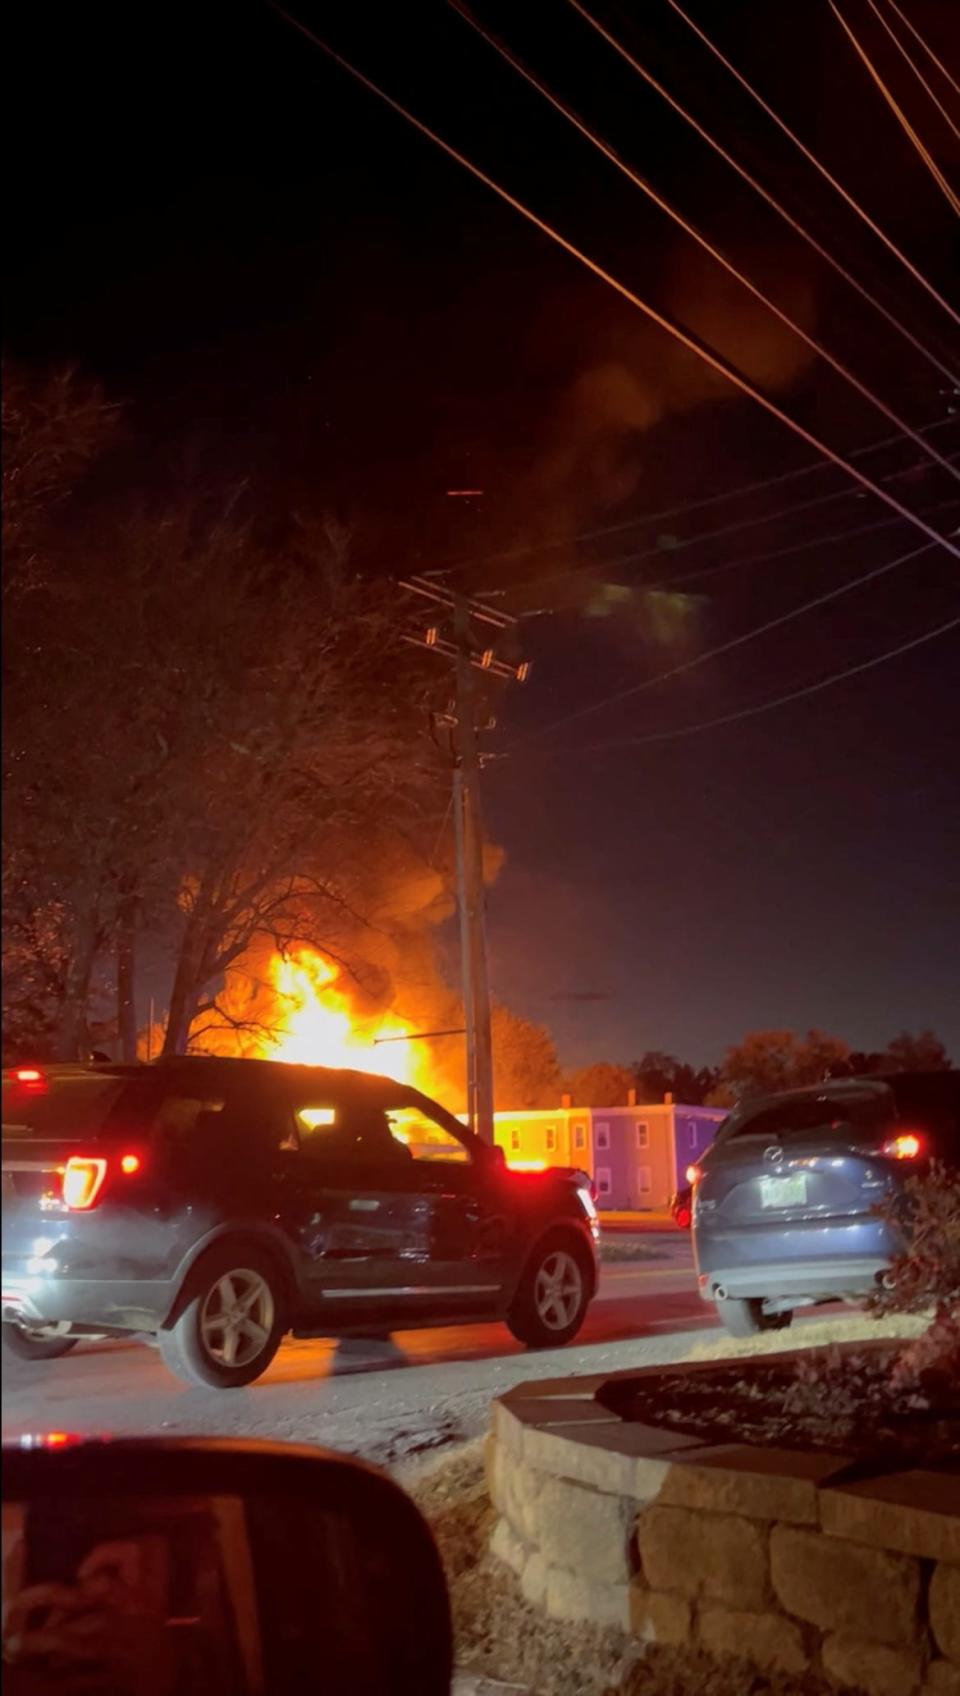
pixel 788 1191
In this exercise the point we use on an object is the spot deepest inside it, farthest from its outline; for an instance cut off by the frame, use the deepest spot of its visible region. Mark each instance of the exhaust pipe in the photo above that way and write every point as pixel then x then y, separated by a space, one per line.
pixel 719 1292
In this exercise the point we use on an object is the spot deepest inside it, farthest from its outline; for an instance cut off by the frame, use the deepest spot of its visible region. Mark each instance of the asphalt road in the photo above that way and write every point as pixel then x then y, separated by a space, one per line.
pixel 386 1401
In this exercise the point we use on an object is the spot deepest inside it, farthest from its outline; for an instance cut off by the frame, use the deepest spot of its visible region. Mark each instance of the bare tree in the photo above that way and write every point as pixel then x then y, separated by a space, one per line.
pixel 54 425
pixel 203 735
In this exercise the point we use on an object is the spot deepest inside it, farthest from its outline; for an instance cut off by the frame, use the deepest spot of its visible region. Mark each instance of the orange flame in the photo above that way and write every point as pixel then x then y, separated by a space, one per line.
pixel 317 1027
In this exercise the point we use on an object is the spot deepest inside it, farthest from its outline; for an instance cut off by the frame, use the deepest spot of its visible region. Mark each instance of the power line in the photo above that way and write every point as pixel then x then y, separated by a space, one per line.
pixel 714 360
pixel 897 110
pixel 811 158
pixel 726 647
pixel 675 580
pixel 760 707
pixel 527 548
pixel 926 47
pixel 702 572
pixel 898 44
pixel 695 234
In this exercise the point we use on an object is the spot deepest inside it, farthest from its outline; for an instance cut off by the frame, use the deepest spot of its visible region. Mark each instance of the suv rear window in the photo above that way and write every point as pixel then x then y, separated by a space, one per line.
pixel 812 1116
pixel 66 1108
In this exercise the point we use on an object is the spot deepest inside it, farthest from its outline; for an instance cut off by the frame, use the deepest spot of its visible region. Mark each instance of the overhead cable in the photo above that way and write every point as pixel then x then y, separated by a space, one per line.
pixel 923 152
pixel 941 67
pixel 898 44
pixel 709 357
pixel 745 636
pixel 645 518
pixel 811 158
pixel 697 235
pixel 767 706
pixel 699 574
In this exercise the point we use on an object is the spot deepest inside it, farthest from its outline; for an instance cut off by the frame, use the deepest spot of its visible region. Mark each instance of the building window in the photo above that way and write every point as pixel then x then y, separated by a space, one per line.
pixel 693 1136
pixel 603 1134
pixel 604 1184
pixel 515 1142
pixel 550 1138
pixel 643 1134
pixel 579 1136
pixel 644 1180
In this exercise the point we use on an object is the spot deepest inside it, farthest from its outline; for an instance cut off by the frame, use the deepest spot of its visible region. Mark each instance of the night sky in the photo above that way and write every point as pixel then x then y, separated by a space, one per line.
pixel 285 284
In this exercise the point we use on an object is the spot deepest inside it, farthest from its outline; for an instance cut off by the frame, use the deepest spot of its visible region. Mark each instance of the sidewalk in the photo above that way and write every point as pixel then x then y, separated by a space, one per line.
pixel 651 1219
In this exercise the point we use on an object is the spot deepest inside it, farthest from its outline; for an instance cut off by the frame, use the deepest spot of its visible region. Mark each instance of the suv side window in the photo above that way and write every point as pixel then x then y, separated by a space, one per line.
pixel 424 1139
pixel 179 1118
pixel 321 1130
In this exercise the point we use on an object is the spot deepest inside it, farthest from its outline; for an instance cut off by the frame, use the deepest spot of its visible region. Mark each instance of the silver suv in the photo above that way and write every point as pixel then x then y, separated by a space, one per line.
pixel 791 1201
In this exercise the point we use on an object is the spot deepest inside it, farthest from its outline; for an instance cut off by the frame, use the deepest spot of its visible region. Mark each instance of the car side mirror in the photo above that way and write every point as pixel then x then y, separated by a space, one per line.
pixel 227 1569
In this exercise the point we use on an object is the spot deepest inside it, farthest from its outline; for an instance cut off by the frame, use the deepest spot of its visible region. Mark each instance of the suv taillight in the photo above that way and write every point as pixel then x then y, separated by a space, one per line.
pixel 82 1182
pixel 906 1145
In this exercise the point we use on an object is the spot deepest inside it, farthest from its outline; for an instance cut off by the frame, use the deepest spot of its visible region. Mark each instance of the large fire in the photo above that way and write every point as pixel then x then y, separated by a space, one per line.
pixel 315 1024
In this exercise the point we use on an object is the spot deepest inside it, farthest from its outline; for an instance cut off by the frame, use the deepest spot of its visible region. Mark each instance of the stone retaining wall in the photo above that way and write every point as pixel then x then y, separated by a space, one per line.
pixel 780 1557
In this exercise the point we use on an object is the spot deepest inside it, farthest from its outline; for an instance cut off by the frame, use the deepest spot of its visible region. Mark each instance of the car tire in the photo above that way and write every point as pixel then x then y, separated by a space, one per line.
pixel 744 1317
pixel 232 1322
pixel 24 1344
pixel 553 1295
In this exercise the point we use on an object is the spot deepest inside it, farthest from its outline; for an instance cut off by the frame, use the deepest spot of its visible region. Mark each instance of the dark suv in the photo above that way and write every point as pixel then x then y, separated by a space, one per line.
pixel 214 1205
pixel 790 1205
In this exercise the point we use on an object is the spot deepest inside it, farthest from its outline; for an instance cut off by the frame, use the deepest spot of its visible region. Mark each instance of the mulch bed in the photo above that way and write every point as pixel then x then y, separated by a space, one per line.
pixel 849 1402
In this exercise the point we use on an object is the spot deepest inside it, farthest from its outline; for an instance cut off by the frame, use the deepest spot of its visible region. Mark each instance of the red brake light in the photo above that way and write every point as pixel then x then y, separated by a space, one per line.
pixel 129 1164
pixel 29 1079
pixel 82 1182
pixel 906 1146
pixel 693 1175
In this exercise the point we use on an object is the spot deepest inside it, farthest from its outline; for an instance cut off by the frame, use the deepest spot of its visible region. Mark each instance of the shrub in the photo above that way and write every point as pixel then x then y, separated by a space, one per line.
pixel 925 1278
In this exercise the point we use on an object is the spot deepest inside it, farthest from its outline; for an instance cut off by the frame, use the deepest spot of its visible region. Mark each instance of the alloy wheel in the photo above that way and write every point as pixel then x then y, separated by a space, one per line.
pixel 558 1291
pixel 237 1318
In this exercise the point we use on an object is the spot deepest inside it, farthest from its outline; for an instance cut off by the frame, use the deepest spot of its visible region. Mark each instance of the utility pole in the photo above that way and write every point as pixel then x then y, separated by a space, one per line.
pixel 469 655
pixel 473 938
